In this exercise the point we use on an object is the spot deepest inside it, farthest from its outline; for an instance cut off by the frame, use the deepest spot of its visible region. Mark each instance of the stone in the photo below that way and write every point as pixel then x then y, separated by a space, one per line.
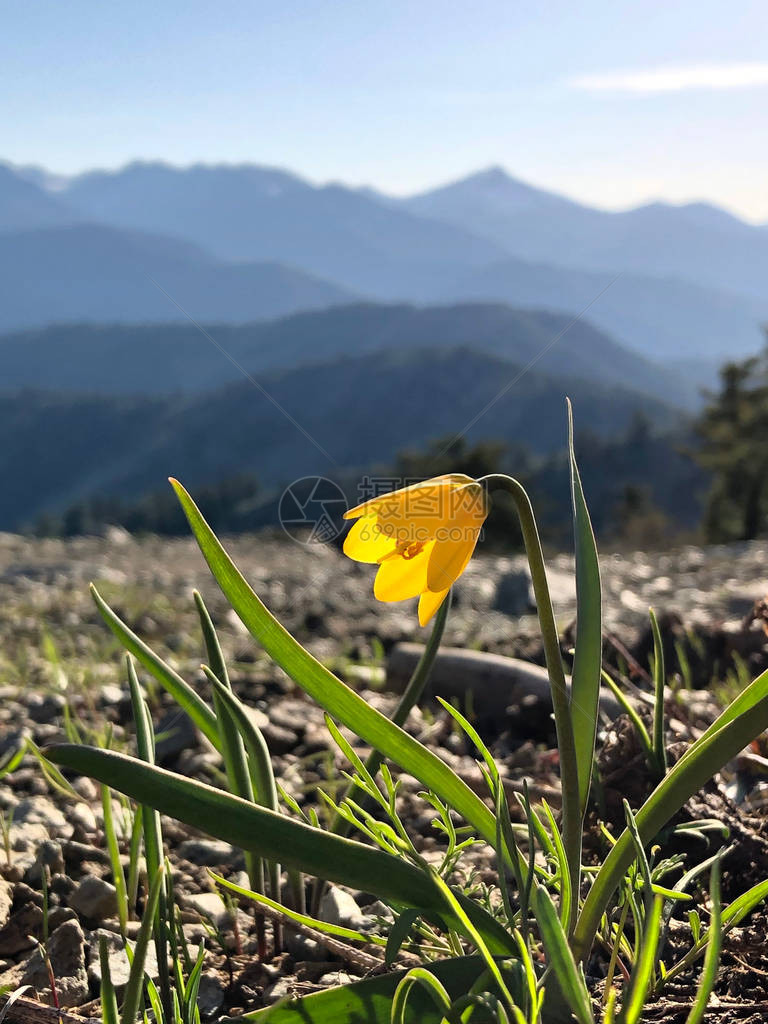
pixel 6 901
pixel 303 948
pixel 338 907
pixel 94 898
pixel 210 995
pixel 513 593
pixel 50 857
pixel 66 951
pixel 41 810
pixel 206 852
pixel 22 930
pixel 211 906
pixel 283 988
pixel 175 733
pixel 119 967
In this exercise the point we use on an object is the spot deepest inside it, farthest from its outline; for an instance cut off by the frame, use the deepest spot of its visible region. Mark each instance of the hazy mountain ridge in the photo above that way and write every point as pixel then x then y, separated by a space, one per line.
pixel 158 359
pixel 91 272
pixel 692 278
pixel 361 411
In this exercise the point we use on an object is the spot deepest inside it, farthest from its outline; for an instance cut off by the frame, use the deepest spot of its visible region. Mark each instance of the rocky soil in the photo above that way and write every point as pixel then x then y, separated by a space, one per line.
pixel 57 657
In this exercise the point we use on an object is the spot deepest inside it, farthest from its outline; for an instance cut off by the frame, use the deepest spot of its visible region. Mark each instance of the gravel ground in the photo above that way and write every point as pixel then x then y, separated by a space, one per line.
pixel 56 655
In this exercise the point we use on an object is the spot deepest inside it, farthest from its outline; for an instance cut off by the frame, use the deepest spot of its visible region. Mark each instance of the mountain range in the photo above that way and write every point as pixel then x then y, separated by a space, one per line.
pixel 333 418
pixel 673 283
pixel 159 359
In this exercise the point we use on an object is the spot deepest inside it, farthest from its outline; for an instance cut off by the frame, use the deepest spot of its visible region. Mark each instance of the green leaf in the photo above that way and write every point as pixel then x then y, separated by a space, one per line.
pixel 642 973
pixel 587 662
pixel 370 1001
pixel 571 982
pixel 135 984
pixel 330 692
pixel 714 945
pixel 171 681
pixel 659 680
pixel 271 835
pixel 697 766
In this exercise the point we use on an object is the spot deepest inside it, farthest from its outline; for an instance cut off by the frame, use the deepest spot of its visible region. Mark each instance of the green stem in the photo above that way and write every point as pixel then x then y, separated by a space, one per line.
pixel 410 697
pixel 569 778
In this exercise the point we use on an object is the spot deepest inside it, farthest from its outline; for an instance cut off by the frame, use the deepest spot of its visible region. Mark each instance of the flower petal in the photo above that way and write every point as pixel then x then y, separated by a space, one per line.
pixel 394 499
pixel 366 543
pixel 429 602
pixel 449 559
pixel 399 578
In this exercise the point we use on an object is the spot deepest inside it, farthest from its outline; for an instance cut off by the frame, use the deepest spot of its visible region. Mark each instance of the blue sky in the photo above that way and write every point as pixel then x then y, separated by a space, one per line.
pixel 614 102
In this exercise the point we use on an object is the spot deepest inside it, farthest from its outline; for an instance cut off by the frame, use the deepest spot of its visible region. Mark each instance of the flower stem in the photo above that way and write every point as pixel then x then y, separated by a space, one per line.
pixel 569 779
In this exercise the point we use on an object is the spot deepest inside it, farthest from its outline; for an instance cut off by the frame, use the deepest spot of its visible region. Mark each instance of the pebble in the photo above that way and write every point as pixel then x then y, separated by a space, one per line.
pixel 206 852
pixel 119 966
pixel 94 898
pixel 338 907
pixel 66 950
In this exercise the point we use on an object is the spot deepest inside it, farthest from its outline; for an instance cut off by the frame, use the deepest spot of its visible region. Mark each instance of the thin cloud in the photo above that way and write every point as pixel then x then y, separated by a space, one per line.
pixel 675 79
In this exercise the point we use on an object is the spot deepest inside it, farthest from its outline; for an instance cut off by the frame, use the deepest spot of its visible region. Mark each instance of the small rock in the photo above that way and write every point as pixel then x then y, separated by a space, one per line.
pixel 94 898
pixel 283 988
pixel 22 930
pixel 83 816
pixel 210 996
pixel 206 852
pixel 338 907
pixel 66 950
pixel 6 901
pixel 209 905
pixel 175 733
pixel 43 811
pixel 513 593
pixel 303 948
pixel 119 966
pixel 49 856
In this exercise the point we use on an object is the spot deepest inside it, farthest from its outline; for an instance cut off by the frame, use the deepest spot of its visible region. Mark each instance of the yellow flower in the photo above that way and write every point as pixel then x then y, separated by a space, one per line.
pixel 421 537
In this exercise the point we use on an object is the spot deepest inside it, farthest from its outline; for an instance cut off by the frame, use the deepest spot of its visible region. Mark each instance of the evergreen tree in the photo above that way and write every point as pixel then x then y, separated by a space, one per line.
pixel 733 433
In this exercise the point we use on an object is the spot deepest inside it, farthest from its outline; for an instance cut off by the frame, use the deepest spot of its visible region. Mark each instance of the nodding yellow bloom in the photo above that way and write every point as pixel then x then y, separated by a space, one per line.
pixel 421 537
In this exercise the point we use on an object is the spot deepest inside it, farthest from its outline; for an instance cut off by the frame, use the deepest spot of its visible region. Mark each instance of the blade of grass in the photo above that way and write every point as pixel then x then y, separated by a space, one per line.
pixel 714 946
pixel 659 679
pixel 153 837
pixel 331 693
pixel 571 982
pixel 640 979
pixel 272 835
pixel 133 990
pixel 232 747
pixel 181 691
pixel 699 764
pixel 109 1012
pixel 587 661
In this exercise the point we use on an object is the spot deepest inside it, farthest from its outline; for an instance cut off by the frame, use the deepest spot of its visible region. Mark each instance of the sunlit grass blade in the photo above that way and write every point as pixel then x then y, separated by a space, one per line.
pixel 430 984
pixel 587 661
pixel 113 848
pixel 272 835
pixel 178 688
pixel 133 990
pixel 697 766
pixel 714 946
pixel 331 693
pixel 569 978
pixel 642 973
pixel 231 744
pixel 642 733
pixel 659 680
pixel 370 1001
pixel 152 831
pixel 109 1014
pixel 348 934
